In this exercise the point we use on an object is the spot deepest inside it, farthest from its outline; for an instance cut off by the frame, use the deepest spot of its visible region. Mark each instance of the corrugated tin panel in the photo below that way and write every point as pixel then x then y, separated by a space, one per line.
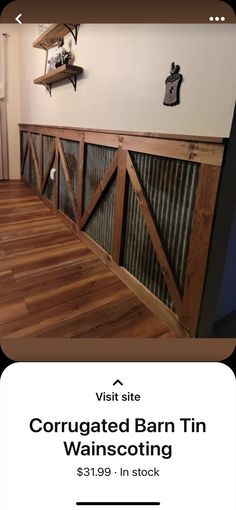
pixel 100 226
pixel 170 185
pixel 71 150
pixel 64 199
pixel 48 143
pixel 139 256
pixel 97 159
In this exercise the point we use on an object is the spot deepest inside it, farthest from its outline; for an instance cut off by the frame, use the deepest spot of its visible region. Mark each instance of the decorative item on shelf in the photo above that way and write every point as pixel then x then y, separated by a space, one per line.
pixel 63 56
pixel 173 82
pixel 60 56
pixel 52 64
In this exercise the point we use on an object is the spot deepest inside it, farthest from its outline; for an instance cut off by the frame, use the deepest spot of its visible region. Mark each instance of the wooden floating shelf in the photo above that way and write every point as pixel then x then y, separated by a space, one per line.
pixel 49 38
pixel 61 73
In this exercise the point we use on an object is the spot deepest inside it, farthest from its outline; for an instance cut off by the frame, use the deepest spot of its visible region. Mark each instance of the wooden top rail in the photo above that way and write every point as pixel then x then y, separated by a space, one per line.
pixel 208 150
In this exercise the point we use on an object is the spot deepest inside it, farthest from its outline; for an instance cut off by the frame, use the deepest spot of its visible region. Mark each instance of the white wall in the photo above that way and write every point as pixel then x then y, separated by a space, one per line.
pixel 125 67
pixel 123 85
pixel 13 96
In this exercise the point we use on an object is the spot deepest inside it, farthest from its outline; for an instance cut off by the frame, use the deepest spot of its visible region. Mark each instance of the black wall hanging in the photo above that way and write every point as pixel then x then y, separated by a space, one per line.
pixel 173 82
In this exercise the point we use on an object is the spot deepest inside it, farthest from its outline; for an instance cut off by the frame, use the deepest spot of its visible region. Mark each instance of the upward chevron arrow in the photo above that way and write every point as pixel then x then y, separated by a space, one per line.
pixel 118 381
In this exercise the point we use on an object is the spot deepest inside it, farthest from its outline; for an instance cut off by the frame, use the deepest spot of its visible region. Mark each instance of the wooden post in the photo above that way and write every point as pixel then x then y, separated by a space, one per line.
pixel 24 157
pixel 80 179
pixel 35 161
pixel 29 151
pixel 41 161
pixel 56 165
pixel 47 171
pixel 67 178
pixel 119 206
pixel 199 242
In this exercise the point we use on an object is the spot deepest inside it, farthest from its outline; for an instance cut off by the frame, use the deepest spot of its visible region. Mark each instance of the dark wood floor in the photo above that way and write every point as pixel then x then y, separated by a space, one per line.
pixel 51 285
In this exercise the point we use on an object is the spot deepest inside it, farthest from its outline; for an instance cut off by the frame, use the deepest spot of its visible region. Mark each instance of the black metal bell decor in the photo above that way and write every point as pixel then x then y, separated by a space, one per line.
pixel 173 82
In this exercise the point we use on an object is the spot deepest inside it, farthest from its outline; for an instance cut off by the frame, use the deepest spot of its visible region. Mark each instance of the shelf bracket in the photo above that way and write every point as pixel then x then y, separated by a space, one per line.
pixel 48 87
pixel 73 80
pixel 73 33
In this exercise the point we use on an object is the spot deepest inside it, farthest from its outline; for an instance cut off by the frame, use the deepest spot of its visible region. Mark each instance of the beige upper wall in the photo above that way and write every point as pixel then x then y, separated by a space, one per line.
pixel 125 67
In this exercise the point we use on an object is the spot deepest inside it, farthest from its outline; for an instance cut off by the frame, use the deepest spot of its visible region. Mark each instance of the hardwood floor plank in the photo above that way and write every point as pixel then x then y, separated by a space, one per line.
pixel 49 280
pixel 60 319
pixel 116 323
pixel 6 277
pixel 53 285
pixel 70 292
pixel 11 247
pixel 24 225
pixel 39 257
pixel 26 233
pixel 12 311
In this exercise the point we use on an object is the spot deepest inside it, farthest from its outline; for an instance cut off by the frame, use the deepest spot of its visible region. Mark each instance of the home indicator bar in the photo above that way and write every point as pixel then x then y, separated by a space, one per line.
pixel 120 503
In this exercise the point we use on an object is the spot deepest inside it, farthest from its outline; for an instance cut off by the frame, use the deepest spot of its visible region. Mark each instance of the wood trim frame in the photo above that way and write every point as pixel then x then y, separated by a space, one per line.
pixel 169 136
pixel 35 159
pixel 80 178
pixel 41 160
pixel 67 176
pixel 119 206
pixel 198 151
pixel 56 166
pixel 24 156
pixel 48 167
pixel 208 152
pixel 199 243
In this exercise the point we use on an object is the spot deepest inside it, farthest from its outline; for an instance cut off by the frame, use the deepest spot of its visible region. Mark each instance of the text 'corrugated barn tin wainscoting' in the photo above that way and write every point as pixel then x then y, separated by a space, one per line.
pixel 143 203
